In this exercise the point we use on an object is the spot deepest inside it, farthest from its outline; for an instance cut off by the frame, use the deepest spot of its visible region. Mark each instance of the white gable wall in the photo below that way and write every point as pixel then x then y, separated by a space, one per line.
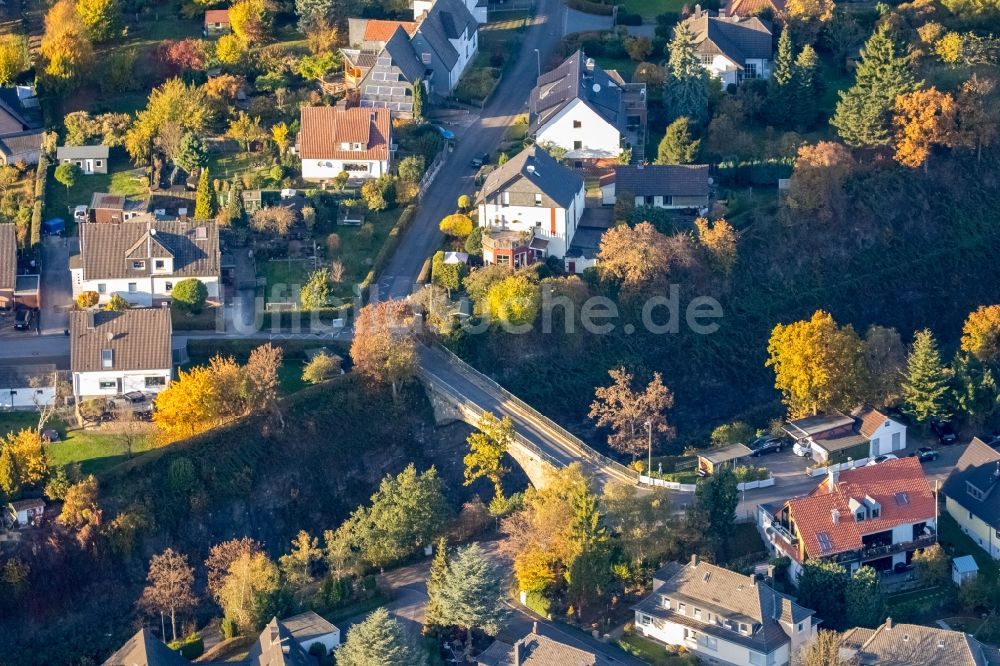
pixel 598 137
pixel 705 646
pixel 329 169
pixel 148 290
pixel 890 437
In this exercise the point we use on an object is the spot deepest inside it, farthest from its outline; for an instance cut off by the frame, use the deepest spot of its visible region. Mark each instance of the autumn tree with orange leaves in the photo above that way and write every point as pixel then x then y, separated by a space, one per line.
pixel 384 348
pixel 626 411
pixel 923 119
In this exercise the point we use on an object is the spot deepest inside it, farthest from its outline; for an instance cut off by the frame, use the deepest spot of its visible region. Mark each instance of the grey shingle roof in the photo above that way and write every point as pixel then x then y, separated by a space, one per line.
pixel 978 465
pixel 573 80
pixel 663 180
pixel 536 650
pixel 727 595
pixel 81 152
pixel 403 56
pixel 24 376
pixel 10 101
pixel 8 256
pixel 277 647
pixel 21 142
pixel 447 19
pixel 537 166
pixel 916 645
pixel 144 650
pixel 139 339
pixel 308 627
pixel 739 39
pixel 107 250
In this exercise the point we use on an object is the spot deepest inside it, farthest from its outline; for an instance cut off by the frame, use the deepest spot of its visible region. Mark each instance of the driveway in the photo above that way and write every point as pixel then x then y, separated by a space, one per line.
pixel 484 134
pixel 581 22
pixel 57 289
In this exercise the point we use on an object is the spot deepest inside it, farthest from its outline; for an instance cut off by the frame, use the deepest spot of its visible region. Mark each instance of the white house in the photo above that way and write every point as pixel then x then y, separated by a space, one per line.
pixel 732 48
pixel 585 110
pixel 355 140
pixel 529 209
pixel 722 616
pixel 874 516
pixel 26 511
pixel 885 435
pixel 113 353
pixel 476 7
pixel 27 386
pixel 90 159
pixel 142 261
pixel 446 41
pixel 670 186
pixel 309 628
pixel 831 437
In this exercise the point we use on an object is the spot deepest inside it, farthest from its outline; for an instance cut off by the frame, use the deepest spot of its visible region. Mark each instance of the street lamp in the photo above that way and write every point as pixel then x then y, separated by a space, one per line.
pixel 649 469
pixel 538 61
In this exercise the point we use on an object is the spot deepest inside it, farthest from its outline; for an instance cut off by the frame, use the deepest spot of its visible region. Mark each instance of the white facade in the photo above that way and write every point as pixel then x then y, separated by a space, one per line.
pixel 888 438
pixel 729 71
pixel 582 132
pixel 466 47
pixel 556 225
pixel 709 646
pixel 109 383
pixel 608 198
pixel 142 291
pixel 330 641
pixel 328 169
pixel 420 7
pixel 26 397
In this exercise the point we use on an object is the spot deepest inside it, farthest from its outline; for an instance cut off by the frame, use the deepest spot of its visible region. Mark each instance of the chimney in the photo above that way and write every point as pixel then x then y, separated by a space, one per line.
pixel 534 628
pixel 517 653
pixel 722 12
pixel 833 476
pixel 694 560
pixel 590 64
pixel 888 624
pixel 835 516
pixel 90 321
pixel 753 579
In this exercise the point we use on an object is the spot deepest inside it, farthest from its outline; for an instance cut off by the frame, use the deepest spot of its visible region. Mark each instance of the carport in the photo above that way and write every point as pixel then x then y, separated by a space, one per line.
pixel 716 458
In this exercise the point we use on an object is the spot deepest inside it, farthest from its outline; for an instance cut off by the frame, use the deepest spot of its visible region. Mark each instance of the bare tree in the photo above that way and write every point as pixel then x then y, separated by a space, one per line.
pixel 170 587
pixel 824 651
pixel 627 411
pixel 129 430
pixel 337 271
pixel 261 376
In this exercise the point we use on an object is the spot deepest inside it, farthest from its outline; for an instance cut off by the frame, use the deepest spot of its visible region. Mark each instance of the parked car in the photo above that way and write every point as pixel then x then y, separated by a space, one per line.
pixel 945 431
pixel 81 213
pixel 925 454
pixel 802 448
pixel 480 161
pixel 881 459
pixel 900 567
pixel 766 444
pixel 23 318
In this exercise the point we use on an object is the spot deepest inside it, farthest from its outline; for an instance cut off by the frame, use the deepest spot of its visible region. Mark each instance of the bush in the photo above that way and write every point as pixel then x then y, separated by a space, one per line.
pixel 317 649
pixel 477 84
pixel 229 628
pixel 624 18
pixel 537 602
pixel 191 646
pixel 87 299
pixel 190 295
pixel 592 7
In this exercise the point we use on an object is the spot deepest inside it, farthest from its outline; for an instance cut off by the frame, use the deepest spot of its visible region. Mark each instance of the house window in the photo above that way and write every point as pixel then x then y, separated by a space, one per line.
pixel 697 613
pixel 577 124
pixel 159 264
pixel 107 358
pixel 744 628
pixel 538 199
pixel 711 644
pixel 98 163
pixel 756 658
pixel 682 608
pixel 644 620
pixel 107 384
pixel 102 288
pixel 665 602
pixel 707 58
pixel 138 265
pixel 505 199
pixel 133 287
pixel 750 70
pixel 648 201
pixel 169 286
pixel 425 58
pixel 577 145
pixel 975 492
pixel 156 382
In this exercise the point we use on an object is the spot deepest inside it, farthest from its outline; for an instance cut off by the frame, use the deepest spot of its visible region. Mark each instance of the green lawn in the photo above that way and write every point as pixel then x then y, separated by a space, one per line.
pixel 625 66
pixel 95 451
pixel 650 9
pixel 957 543
pixel 122 179
pixel 652 652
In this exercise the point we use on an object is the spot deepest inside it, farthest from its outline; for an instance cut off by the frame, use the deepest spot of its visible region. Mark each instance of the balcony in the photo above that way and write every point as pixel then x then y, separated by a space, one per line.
pixel 505 239
pixel 884 550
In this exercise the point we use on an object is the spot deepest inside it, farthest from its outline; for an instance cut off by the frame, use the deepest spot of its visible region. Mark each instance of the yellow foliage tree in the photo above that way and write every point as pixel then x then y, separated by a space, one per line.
pixel 173 103
pixel 13 57
pixel 29 455
pixel 250 20
pixel 80 506
pixel 65 48
pixel 719 238
pixel 817 364
pixel 514 302
pixel 230 50
pixel 981 333
pixel 923 119
pixel 279 134
pixel 188 406
pixel 949 48
pixel 457 225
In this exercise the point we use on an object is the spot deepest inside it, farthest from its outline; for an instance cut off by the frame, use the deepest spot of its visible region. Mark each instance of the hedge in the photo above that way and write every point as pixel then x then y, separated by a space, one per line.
pixel 390 245
pixel 624 18
pixel 41 174
pixel 537 602
pixel 592 7
pixel 191 646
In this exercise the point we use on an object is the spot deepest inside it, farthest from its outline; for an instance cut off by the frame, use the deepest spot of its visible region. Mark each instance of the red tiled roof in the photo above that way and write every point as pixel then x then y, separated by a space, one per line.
pixel 871 420
pixel 753 7
pixel 885 483
pixel 325 128
pixel 380 31
pixel 217 16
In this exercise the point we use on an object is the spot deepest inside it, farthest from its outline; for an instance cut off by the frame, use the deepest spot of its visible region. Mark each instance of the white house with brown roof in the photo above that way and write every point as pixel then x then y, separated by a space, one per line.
pixel 356 140
pixel 875 516
pixel 113 353
pixel 216 22
pixel 723 616
pixel 732 48
pixel 143 261
pixel 867 433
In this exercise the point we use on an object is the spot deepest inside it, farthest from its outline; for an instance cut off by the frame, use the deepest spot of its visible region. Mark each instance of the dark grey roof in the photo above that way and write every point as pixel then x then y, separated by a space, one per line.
pixel 144 650
pixel 138 338
pixel 403 56
pixel 729 596
pixel 739 39
pixel 586 242
pixel 447 19
pixel 277 647
pixel 308 627
pixel 10 101
pixel 27 376
pixel 8 255
pixel 979 465
pixel 663 180
pixel 81 152
pixel 571 80
pixel 916 645
pixel 107 249
pixel 538 167
pixel 536 650
pixel 21 142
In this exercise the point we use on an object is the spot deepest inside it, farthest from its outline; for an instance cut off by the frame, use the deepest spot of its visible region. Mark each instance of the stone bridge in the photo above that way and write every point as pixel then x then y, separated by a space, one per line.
pixel 458 392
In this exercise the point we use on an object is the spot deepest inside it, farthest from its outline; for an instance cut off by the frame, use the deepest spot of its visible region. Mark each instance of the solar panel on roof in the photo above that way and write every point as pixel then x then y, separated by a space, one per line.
pixel 902 499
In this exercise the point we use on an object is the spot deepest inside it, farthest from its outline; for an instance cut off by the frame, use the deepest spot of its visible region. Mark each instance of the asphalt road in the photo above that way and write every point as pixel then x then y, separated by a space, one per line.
pixel 423 237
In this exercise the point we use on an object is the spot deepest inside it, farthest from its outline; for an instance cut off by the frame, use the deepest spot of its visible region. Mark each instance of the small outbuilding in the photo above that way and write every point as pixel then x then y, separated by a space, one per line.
pixel 25 513
pixel 309 628
pixel 713 459
pixel 963 569
pixel 90 159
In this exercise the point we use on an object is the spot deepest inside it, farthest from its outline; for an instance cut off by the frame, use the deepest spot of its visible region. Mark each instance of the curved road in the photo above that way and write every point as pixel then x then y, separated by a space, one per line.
pixel 510 98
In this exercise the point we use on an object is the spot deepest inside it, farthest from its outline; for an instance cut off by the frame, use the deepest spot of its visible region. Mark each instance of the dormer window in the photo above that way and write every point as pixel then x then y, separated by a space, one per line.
pixel 860 516
pixel 744 628
pixel 538 199
pixel 107 358
pixel 973 491
pixel 345 146
pixel 682 608
pixel 665 602
pixel 139 265
pixel 357 146
pixel 159 264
